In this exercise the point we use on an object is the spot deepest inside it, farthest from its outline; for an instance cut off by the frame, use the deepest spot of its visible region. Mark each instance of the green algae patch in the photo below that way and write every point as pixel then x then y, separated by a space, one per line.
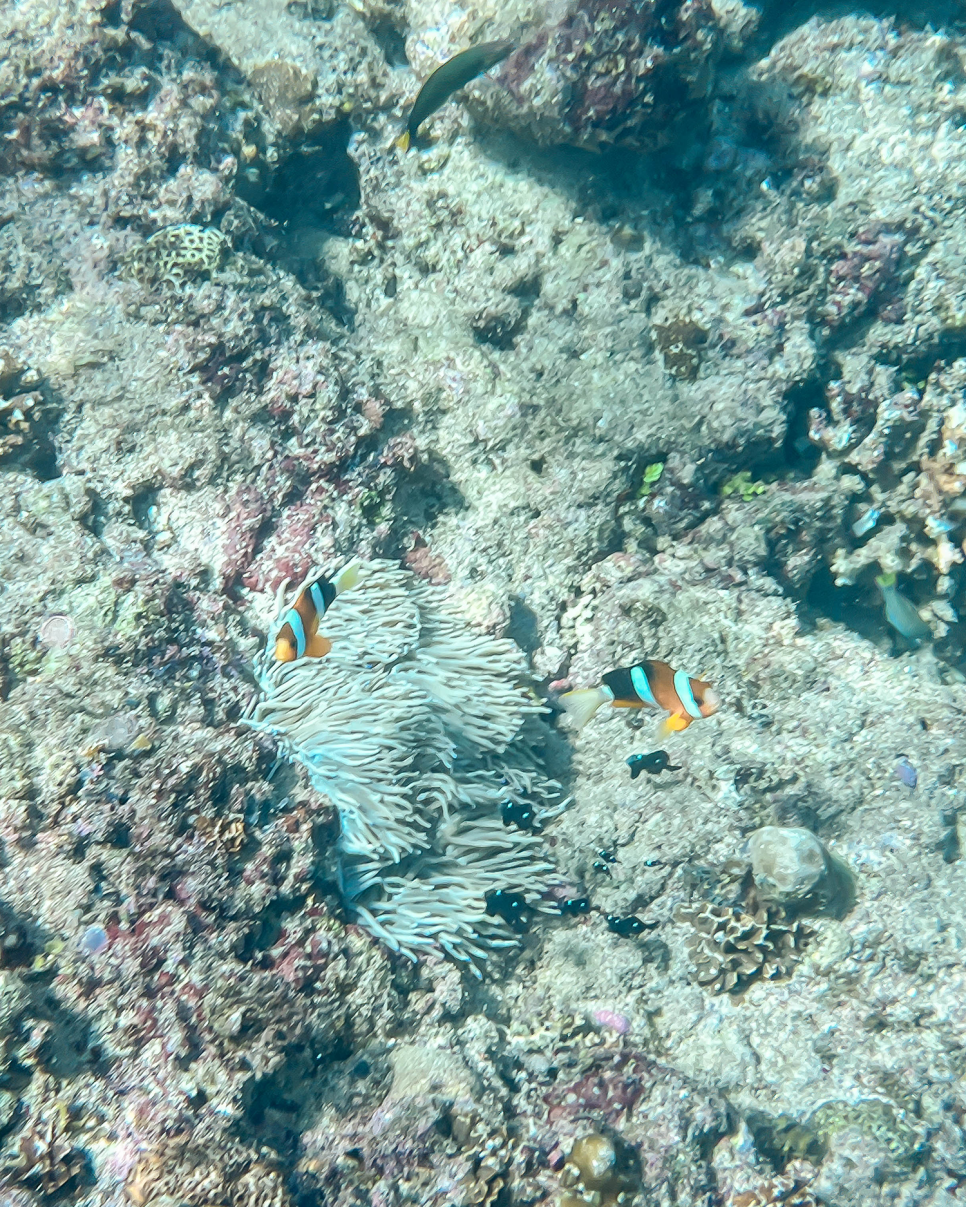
pixel 742 484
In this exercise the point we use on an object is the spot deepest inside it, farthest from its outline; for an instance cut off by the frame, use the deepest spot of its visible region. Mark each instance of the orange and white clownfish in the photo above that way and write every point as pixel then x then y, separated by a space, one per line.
pixel 298 636
pixel 646 685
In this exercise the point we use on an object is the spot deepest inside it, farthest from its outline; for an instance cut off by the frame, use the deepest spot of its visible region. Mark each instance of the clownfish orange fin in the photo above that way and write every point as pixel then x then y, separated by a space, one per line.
pixel 284 651
pixel 581 705
pixel 318 646
pixel 676 723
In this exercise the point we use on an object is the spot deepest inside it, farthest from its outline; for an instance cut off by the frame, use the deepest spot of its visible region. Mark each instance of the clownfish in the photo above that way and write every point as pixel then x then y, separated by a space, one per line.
pixel 298 636
pixel 646 685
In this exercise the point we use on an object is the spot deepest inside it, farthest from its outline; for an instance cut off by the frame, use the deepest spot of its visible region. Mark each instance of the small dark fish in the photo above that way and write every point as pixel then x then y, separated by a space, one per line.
pixel 653 763
pixel 574 905
pixel 511 907
pixel 516 813
pixel 628 927
pixel 602 862
pixel 448 78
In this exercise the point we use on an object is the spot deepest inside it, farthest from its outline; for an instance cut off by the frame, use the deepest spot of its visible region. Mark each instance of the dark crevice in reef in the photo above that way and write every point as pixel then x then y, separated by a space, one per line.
pixel 391 42
pixel 425 493
pixel 950 346
pixel 312 194
pixel 799 454
pixel 160 22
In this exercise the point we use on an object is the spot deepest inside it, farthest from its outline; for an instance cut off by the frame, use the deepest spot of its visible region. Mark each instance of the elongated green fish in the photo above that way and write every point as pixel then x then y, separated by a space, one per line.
pixel 900 612
pixel 448 78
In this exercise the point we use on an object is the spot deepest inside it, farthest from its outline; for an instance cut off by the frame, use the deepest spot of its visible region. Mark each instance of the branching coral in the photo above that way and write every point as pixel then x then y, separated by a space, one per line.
pixel 417 729
pixel 906 441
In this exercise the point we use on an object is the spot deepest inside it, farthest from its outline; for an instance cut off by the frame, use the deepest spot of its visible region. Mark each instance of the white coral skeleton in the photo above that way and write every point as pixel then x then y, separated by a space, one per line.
pixel 417 729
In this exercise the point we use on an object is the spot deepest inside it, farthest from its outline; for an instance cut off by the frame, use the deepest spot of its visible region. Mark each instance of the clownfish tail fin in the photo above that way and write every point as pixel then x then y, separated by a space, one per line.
pixel 402 142
pixel 581 705
pixel 348 576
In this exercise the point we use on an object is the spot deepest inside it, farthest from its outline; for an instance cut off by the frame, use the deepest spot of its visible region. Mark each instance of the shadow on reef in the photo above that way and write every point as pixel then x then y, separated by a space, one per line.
pixel 858 606
pixel 779 18
pixel 312 194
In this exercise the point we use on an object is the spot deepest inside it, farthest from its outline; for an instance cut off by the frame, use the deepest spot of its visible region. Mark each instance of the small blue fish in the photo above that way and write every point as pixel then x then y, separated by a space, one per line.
pixel 900 612
pixel 907 773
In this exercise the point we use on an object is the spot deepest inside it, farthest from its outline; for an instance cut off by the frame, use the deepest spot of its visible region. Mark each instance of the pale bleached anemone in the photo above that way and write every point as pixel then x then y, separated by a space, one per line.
pixel 417 729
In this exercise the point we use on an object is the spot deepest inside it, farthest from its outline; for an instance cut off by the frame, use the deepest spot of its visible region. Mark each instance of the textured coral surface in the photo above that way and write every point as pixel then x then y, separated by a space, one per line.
pixel 652 347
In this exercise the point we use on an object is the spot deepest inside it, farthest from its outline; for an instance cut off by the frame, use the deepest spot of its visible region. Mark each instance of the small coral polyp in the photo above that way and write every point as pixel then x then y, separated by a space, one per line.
pixel 418 730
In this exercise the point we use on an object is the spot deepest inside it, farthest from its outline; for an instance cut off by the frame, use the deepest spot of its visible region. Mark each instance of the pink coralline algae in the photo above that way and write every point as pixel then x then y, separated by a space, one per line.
pixel 247 512
pixel 612 73
pixel 863 274
pixel 426 564
pixel 302 536
pixel 612 1020
pixel 604 1093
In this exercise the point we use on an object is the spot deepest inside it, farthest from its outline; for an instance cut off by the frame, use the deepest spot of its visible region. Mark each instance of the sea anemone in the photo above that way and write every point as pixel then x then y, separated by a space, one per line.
pixel 418 730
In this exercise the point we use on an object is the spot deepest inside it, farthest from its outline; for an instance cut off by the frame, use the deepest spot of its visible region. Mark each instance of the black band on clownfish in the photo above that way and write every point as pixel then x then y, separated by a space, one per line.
pixel 298 635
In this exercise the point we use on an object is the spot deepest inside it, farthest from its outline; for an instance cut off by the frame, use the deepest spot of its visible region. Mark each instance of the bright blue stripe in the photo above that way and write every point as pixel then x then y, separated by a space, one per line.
pixel 292 618
pixel 641 685
pixel 316 593
pixel 682 686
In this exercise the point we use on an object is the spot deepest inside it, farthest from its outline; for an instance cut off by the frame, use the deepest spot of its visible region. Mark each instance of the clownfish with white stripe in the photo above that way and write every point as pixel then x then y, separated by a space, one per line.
pixel 298 636
pixel 646 685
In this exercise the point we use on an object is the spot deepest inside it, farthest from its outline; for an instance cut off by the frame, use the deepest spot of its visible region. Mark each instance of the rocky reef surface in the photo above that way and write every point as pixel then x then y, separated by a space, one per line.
pixel 651 347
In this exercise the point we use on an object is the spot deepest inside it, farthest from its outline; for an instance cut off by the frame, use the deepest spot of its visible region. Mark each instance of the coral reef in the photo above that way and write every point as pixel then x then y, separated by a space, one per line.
pixel 730 948
pixel 611 73
pixel 682 398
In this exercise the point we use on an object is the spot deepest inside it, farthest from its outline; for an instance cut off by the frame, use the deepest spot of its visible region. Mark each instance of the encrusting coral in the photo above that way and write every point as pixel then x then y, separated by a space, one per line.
pixel 417 729
pixel 730 947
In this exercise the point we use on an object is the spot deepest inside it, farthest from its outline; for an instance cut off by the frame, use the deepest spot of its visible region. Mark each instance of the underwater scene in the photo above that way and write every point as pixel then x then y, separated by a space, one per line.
pixel 482 603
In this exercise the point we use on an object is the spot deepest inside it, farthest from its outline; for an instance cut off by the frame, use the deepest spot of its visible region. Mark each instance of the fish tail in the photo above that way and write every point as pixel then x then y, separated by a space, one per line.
pixel 348 577
pixel 581 705
pixel 402 142
pixel 635 772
